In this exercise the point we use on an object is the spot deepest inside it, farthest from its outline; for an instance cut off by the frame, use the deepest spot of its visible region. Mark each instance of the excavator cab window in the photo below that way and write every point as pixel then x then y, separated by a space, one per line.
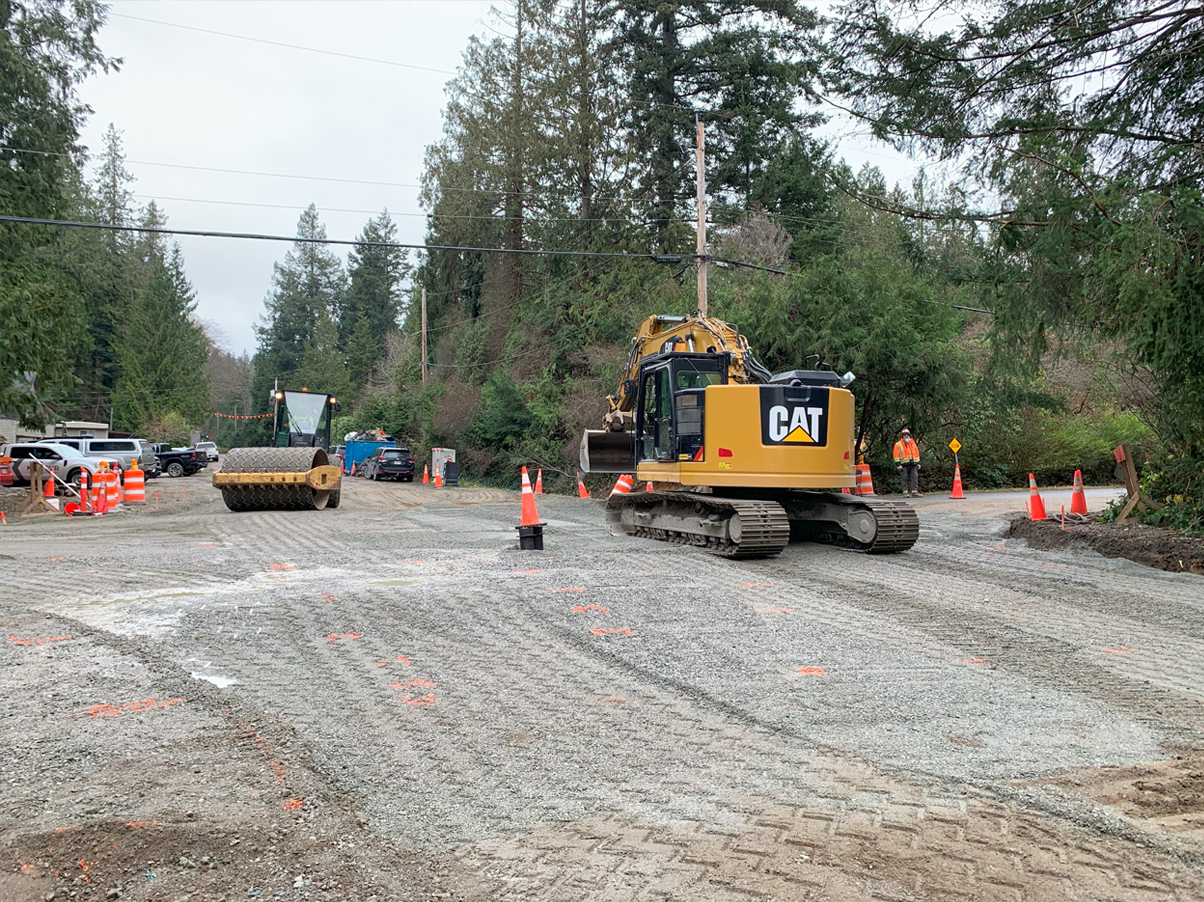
pixel 656 426
pixel 671 408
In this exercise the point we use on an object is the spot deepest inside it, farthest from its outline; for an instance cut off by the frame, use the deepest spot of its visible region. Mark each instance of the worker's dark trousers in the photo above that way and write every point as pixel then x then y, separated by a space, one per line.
pixel 911 478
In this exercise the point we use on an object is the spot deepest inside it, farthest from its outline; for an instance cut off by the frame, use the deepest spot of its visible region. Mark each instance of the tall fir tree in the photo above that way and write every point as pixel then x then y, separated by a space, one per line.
pixel 309 283
pixel 162 350
pixel 372 304
pixel 46 49
pixel 740 64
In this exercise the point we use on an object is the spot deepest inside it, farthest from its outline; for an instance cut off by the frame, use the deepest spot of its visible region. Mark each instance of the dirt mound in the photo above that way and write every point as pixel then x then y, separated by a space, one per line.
pixel 1164 549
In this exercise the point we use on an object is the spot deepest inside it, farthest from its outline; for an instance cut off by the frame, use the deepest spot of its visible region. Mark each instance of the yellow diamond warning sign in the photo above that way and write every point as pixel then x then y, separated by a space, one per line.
pixel 955 446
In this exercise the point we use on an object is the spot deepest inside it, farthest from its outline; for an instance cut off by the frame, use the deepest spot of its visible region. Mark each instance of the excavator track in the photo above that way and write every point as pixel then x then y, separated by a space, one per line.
pixel 728 527
pixel 895 526
pixel 742 527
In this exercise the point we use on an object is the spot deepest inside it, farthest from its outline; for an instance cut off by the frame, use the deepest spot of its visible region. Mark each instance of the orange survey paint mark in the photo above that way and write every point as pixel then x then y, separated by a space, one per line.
pixel 66 829
pixel 995 547
pixel 138 825
pixel 54 558
pixel 778 611
pixel 208 544
pixel 582 608
pixel 293 804
pixel 27 867
pixel 335 637
pixel 17 641
pixel 417 684
pixel 107 710
pixel 326 596
pixel 615 700
pixel 276 767
pixel 86 866
pixel 1055 566
pixel 602 631
pixel 754 585
pixel 813 671
pixel 424 701
pixel 526 571
pixel 974 660
pixel 400 659
pixel 1119 650
pixel 416 561
pixel 566 589
pixel 284 567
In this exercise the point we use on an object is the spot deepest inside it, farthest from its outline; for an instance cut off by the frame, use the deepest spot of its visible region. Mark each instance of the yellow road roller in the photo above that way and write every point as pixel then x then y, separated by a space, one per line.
pixel 296 472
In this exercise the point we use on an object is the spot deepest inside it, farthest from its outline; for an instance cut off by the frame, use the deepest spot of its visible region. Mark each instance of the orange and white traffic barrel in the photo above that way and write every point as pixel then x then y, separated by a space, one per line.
pixel 135 485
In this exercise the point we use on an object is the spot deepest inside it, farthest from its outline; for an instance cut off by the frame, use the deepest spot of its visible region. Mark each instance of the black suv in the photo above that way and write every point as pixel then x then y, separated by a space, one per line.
pixel 390 463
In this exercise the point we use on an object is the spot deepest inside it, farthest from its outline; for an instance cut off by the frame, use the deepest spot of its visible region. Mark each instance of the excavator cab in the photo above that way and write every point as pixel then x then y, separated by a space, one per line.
pixel 671 404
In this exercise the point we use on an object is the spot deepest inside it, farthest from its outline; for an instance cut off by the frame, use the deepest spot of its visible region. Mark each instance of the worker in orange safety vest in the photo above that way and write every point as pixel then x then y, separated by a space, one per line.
pixel 907 457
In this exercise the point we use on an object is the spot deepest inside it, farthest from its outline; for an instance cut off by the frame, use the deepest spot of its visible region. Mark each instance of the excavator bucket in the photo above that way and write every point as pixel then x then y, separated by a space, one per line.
pixel 603 451
pixel 265 479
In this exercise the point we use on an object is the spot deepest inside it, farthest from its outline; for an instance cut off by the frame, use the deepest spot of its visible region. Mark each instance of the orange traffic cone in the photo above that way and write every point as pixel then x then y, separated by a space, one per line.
pixel 352 473
pixel 1078 498
pixel 539 481
pixel 426 475
pixel 438 477
pixel 582 491
pixel 957 483
pixel 865 481
pixel 48 490
pixel 1036 507
pixel 530 530
pixel 649 487
pixel 624 485
pixel 846 491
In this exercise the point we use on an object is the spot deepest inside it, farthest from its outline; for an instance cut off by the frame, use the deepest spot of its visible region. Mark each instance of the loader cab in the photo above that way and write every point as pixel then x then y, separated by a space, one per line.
pixel 670 404
pixel 302 419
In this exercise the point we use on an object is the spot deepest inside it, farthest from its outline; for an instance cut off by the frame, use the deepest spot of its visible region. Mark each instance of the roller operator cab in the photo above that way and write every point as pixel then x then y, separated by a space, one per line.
pixel 748 458
pixel 301 419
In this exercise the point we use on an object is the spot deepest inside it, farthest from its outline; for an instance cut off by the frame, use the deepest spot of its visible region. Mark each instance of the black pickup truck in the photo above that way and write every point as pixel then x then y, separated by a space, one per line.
pixel 180 461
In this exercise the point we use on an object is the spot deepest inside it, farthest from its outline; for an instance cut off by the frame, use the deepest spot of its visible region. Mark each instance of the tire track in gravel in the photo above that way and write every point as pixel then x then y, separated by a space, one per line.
pixel 1068 645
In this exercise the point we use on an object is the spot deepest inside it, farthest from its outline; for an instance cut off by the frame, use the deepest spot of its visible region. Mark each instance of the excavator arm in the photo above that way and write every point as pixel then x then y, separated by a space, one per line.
pixel 694 333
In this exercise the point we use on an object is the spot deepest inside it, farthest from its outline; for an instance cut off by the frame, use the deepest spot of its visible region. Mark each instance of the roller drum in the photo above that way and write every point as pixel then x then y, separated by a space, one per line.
pixel 268 497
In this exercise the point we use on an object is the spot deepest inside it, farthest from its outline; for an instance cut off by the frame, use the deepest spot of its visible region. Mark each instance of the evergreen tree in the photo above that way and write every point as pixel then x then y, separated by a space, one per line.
pixel 109 272
pixel 323 368
pixel 161 349
pixel 306 286
pixel 46 49
pixel 372 304
pixel 741 64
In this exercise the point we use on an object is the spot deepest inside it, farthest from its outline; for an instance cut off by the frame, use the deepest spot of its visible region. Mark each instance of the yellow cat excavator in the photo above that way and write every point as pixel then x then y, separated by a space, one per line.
pixel 757 456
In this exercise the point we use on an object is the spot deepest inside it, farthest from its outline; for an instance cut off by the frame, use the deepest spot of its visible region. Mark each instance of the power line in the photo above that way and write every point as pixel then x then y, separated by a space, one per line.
pixel 200 233
pixel 327 178
pixel 243 37
pixel 528 219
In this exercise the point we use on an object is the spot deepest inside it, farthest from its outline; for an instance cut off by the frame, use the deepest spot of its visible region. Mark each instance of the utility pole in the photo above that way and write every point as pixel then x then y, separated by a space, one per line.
pixel 424 336
pixel 701 202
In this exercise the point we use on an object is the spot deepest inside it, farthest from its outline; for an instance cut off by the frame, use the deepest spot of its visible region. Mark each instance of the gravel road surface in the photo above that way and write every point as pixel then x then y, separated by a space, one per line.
pixel 390 701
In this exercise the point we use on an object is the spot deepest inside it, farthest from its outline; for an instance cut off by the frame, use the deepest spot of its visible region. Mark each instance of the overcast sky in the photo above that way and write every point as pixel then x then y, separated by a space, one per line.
pixel 193 99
